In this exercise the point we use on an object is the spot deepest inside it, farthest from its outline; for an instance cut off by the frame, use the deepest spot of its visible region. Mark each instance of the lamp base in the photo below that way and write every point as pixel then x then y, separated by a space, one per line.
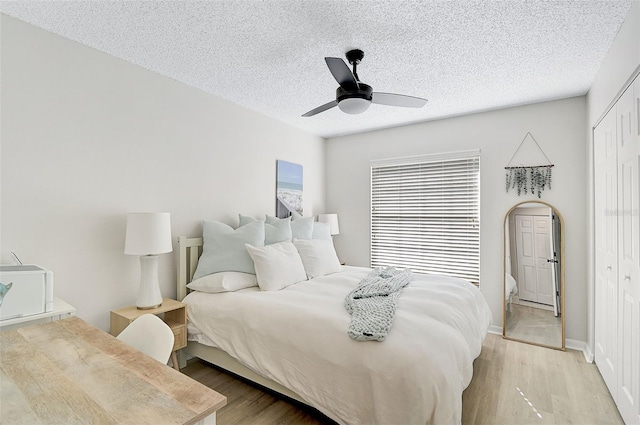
pixel 149 295
pixel 149 308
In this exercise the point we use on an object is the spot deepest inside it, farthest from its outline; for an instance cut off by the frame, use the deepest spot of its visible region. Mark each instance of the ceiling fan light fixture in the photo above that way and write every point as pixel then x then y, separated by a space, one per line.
pixel 354 105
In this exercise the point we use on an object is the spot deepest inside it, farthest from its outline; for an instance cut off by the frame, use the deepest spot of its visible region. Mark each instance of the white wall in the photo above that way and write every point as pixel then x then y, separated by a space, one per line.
pixel 559 128
pixel 621 63
pixel 87 137
pixel 622 59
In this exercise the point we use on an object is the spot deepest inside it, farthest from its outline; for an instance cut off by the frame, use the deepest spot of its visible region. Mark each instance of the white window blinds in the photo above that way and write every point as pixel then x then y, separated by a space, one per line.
pixel 425 214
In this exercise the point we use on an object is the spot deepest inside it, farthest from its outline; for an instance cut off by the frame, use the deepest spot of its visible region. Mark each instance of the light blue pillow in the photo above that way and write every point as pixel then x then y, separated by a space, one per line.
pixel 279 231
pixel 301 228
pixel 245 219
pixel 321 231
pixel 224 250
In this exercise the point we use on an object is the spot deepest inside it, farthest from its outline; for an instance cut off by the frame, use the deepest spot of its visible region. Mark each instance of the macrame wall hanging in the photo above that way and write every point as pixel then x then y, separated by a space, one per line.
pixel 528 178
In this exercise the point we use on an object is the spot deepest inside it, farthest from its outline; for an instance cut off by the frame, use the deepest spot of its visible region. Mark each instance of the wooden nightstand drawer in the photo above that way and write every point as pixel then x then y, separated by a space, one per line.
pixel 180 334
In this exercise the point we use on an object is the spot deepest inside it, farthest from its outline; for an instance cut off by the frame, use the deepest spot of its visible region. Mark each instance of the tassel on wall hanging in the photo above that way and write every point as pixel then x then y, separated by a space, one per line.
pixel 528 178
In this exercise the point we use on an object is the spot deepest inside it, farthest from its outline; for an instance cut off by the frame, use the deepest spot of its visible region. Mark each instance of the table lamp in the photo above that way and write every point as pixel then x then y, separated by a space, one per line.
pixel 330 220
pixel 148 234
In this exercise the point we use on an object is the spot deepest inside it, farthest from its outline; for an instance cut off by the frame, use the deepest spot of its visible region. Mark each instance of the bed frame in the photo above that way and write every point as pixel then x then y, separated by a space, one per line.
pixel 190 250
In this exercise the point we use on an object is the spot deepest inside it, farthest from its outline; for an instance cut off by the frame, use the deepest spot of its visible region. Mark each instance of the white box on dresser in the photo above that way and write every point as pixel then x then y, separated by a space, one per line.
pixel 25 290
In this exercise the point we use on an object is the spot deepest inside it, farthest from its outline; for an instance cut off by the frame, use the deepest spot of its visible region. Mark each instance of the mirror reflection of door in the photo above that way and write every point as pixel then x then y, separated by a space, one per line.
pixel 533 251
pixel 533 275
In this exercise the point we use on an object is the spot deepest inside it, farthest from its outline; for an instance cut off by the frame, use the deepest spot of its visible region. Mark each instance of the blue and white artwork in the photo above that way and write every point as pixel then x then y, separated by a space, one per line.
pixel 3 291
pixel 288 189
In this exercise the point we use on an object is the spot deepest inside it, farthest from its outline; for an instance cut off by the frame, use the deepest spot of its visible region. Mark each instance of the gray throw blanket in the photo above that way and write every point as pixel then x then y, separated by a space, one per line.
pixel 372 304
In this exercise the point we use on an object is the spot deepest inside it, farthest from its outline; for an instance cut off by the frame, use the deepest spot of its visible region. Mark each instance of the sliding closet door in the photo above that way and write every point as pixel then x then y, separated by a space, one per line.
pixel 606 258
pixel 629 256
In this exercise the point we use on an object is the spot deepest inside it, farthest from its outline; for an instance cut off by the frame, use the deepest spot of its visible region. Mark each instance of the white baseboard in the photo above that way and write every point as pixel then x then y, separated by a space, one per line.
pixel 493 329
pixel 588 354
pixel 574 344
pixel 532 304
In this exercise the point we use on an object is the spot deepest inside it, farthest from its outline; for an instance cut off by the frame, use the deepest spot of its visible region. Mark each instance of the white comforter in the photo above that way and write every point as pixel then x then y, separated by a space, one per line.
pixel 298 338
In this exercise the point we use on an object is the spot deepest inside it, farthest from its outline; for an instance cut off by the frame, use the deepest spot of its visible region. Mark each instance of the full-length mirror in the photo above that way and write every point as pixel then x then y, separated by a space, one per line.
pixel 534 275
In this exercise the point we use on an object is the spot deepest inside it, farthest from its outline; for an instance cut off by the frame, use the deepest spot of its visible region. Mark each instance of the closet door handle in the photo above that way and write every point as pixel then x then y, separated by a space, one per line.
pixel 627 277
pixel 608 267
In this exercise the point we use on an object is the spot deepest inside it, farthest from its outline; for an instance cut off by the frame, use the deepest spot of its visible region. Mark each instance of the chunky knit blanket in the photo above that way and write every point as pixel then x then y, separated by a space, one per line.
pixel 372 304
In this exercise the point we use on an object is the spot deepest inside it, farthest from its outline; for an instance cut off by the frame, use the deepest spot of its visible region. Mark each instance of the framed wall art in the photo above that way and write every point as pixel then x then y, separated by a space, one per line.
pixel 288 189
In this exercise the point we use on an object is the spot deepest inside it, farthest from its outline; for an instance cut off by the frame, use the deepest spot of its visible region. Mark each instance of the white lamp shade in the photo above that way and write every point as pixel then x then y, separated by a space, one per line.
pixel 148 234
pixel 332 221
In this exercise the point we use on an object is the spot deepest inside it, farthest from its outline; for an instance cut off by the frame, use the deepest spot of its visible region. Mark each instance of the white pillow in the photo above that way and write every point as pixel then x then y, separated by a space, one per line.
pixel 274 232
pixel 301 228
pixel 318 257
pixel 223 249
pixel 223 282
pixel 277 265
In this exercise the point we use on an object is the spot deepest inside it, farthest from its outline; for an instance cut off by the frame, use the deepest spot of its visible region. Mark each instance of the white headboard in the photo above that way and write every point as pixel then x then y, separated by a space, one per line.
pixel 190 250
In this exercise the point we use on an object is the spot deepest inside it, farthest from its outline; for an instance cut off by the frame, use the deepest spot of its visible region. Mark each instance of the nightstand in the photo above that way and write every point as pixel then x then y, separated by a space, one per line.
pixel 172 312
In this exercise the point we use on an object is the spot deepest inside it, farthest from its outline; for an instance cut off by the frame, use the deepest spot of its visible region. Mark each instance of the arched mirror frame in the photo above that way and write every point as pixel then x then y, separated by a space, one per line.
pixel 505 223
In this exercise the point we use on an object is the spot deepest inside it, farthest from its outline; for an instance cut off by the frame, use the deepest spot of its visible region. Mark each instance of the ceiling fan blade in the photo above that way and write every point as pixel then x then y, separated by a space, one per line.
pixel 392 99
pixel 321 108
pixel 341 73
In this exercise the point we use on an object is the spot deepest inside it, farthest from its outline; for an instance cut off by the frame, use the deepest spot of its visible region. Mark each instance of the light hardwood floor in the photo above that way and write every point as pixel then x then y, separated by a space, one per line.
pixel 513 383
pixel 517 383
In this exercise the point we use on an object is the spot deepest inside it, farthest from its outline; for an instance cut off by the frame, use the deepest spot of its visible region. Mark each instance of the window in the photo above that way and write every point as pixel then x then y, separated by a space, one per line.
pixel 425 214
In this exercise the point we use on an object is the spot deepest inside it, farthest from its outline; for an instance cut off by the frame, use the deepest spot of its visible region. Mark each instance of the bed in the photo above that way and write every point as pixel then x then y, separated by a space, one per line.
pixel 295 342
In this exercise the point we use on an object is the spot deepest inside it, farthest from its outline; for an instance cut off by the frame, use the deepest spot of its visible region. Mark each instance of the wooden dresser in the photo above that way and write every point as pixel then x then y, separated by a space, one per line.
pixel 70 372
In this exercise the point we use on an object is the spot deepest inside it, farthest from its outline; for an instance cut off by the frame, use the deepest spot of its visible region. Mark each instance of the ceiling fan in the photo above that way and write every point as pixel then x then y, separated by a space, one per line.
pixel 354 96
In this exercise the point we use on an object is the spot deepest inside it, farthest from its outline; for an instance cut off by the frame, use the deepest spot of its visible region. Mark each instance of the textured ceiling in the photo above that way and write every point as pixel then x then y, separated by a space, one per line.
pixel 464 56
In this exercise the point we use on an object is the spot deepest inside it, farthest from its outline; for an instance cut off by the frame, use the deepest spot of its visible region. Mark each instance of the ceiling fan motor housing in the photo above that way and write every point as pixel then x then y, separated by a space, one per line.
pixel 362 91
